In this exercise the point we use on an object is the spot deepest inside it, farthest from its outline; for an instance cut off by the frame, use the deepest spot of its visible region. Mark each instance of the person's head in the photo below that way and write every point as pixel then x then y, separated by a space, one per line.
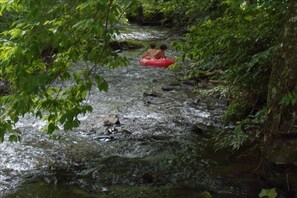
pixel 163 47
pixel 153 45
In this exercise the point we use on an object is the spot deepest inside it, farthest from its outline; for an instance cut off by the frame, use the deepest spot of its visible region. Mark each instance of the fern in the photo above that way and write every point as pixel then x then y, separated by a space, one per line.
pixel 290 99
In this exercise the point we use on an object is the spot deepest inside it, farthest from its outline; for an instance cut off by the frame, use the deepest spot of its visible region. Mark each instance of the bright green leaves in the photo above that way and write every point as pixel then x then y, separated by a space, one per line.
pixel 47 47
pixel 14 33
pixel 63 106
pixel 7 52
pixel 9 5
pixel 7 126
pixel 270 193
pixel 83 25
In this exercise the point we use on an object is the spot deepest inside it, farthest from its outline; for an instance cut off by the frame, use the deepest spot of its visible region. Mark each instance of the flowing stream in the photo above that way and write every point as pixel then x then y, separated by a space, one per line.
pixel 159 146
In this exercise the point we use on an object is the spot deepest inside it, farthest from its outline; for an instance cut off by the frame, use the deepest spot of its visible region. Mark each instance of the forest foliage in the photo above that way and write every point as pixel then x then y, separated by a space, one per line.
pixel 41 41
pixel 241 39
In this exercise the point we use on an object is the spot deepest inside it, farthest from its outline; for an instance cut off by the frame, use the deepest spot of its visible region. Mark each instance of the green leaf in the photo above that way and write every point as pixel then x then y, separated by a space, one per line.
pixel 14 138
pixel 101 83
pixel 270 193
pixel 248 17
pixel 52 127
pixel 2 132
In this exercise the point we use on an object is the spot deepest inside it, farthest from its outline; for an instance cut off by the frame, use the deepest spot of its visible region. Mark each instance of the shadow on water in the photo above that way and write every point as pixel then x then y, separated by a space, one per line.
pixel 157 147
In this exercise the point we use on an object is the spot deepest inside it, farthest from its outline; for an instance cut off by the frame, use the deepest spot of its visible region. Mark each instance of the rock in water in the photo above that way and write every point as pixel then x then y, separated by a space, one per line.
pixel 111 120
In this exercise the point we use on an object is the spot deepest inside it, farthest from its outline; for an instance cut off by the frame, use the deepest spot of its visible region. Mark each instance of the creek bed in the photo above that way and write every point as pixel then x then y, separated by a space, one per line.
pixel 155 150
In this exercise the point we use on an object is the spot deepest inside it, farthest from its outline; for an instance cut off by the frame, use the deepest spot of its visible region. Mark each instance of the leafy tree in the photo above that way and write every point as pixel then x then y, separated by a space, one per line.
pixel 39 51
pixel 240 39
pixel 180 13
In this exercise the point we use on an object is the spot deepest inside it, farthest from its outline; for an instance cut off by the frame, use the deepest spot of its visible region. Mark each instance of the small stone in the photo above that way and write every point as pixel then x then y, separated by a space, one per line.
pixel 168 88
pixel 111 120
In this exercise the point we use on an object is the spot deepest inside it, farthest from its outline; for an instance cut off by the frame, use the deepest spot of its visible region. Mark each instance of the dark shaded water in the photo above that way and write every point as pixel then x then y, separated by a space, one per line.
pixel 160 148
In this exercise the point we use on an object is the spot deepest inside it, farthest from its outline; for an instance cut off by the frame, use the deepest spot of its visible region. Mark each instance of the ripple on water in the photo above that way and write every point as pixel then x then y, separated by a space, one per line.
pixel 16 159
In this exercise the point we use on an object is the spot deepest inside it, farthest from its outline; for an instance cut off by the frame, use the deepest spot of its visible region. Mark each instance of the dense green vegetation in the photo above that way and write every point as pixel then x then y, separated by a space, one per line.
pixel 239 38
pixel 252 43
pixel 42 40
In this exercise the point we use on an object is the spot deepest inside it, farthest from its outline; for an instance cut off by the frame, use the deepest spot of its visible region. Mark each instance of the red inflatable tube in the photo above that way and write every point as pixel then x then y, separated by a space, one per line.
pixel 147 61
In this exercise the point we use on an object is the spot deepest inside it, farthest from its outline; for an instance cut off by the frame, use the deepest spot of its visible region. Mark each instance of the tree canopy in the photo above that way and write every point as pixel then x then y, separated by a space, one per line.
pixel 40 43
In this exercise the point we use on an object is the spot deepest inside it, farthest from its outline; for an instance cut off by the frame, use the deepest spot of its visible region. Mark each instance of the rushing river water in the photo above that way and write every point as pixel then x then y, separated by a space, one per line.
pixel 158 148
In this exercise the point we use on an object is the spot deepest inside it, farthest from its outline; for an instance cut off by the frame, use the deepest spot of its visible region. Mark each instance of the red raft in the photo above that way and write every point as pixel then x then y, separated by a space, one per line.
pixel 147 61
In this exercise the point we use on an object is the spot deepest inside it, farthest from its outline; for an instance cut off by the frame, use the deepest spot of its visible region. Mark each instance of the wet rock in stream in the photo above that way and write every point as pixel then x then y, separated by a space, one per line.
pixel 111 120
pixel 203 130
pixel 151 93
pixel 168 88
pixel 171 86
pixel 104 138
